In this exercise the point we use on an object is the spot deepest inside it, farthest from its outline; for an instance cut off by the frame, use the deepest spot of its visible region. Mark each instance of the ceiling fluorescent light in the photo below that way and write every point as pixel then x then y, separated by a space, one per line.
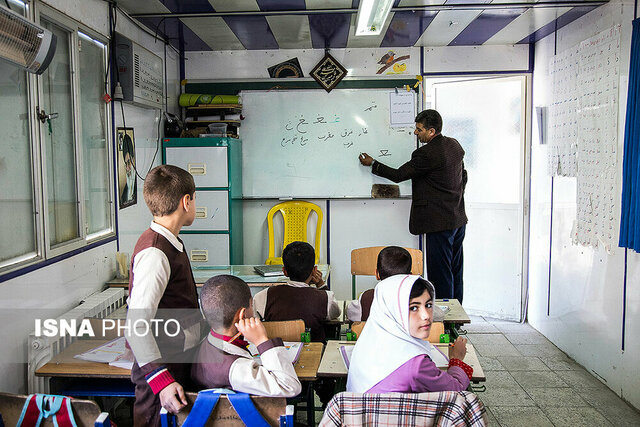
pixel 371 16
pixel 24 43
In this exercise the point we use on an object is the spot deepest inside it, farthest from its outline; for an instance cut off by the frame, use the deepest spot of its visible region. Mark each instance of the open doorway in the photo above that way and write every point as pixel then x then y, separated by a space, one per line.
pixel 488 116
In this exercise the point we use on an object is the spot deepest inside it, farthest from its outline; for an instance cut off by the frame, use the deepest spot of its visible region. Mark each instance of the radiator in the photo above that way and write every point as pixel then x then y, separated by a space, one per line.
pixel 42 349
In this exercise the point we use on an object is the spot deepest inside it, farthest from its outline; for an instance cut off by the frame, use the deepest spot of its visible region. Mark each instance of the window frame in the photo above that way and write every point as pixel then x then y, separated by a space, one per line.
pixel 45 253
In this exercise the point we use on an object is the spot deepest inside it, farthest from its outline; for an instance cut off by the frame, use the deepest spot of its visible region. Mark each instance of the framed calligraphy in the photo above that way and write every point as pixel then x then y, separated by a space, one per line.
pixel 328 72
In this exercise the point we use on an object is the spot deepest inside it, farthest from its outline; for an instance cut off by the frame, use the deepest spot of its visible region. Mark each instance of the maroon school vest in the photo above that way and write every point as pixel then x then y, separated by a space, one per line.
pixel 285 302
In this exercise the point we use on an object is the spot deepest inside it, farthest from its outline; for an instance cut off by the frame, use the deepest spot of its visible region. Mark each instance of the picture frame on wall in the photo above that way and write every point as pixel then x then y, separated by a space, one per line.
pixel 127 174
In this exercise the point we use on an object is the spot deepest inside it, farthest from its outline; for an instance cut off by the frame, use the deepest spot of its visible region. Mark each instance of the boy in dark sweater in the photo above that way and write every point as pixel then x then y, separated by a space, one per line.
pixel 298 299
pixel 223 360
pixel 162 291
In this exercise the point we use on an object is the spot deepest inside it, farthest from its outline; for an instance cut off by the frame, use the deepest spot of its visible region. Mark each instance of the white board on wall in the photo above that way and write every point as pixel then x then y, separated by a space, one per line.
pixel 305 143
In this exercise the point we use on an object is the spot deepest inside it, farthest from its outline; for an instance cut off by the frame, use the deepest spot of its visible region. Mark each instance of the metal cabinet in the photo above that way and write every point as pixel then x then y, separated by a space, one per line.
pixel 215 237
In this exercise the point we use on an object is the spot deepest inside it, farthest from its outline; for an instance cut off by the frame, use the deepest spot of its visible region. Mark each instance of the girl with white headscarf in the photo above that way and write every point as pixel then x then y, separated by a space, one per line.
pixel 392 354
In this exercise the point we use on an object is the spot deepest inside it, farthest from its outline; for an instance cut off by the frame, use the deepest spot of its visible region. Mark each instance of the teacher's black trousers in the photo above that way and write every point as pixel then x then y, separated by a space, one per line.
pixel 444 262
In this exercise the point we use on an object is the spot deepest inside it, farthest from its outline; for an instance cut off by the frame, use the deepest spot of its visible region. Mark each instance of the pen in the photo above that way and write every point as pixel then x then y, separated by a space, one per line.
pixel 233 338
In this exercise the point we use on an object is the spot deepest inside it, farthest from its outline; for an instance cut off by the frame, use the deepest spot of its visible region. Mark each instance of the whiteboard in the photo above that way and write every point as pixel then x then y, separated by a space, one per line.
pixel 305 143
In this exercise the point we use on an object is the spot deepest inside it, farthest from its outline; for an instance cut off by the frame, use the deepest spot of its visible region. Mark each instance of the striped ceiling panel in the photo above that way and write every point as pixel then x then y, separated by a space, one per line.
pixel 201 25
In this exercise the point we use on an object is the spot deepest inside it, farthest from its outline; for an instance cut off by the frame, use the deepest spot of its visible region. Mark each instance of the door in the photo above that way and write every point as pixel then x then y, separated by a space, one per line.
pixel 488 117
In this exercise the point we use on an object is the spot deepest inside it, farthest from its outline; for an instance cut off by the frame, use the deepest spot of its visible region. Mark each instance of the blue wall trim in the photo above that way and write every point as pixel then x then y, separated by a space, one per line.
pixel 473 73
pixel 33 267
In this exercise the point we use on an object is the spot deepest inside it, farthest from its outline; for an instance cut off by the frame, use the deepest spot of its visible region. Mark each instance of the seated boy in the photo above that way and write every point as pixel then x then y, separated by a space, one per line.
pixel 392 260
pixel 225 362
pixel 297 299
pixel 161 289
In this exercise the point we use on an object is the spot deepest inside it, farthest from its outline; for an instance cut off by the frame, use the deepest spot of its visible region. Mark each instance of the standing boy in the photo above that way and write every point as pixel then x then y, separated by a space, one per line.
pixel 298 299
pixel 162 291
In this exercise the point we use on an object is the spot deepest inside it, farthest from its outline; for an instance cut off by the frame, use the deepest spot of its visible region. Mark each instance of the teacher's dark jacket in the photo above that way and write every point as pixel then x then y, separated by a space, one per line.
pixel 438 178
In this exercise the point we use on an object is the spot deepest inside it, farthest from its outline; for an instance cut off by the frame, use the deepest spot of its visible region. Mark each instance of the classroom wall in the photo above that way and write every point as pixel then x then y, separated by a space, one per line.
pixel 353 223
pixel 585 304
pixel 133 220
pixel 52 290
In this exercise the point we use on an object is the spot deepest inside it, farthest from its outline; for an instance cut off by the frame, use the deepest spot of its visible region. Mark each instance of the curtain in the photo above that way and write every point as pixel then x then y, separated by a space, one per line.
pixel 629 221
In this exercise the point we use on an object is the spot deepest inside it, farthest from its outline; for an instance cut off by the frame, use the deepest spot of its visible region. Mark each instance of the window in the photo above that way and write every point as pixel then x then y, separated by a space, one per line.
pixel 56 173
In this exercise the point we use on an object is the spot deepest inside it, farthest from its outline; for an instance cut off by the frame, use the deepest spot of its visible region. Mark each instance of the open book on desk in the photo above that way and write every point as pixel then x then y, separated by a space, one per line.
pixel 114 352
pixel 293 351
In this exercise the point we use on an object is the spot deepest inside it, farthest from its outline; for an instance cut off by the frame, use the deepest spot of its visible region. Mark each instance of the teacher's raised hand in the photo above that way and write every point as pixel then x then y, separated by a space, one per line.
pixel 365 159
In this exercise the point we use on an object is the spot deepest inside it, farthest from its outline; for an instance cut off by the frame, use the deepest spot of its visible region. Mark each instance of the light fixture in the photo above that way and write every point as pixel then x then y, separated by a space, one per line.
pixel 371 16
pixel 24 43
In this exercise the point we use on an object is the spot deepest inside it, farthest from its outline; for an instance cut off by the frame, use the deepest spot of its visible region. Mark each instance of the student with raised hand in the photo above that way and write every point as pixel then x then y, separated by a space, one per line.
pixel 303 296
pixel 392 260
pixel 400 321
pixel 223 360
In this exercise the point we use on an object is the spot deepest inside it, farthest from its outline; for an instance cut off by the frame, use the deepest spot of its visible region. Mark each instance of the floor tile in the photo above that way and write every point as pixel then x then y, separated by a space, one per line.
pixel 521 363
pixel 514 328
pixel 528 338
pixel 536 379
pixel 485 327
pixel 490 350
pixel 477 319
pixel 491 419
pixel 490 339
pixel 556 397
pixel 490 364
pixel 521 417
pixel 500 379
pixel 611 406
pixel 580 379
pixel 560 363
pixel 576 417
pixel 497 397
pixel 546 349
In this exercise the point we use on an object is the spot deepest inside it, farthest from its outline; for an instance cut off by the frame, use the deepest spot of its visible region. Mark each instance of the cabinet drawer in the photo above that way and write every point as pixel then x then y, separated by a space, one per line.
pixel 212 211
pixel 208 165
pixel 207 249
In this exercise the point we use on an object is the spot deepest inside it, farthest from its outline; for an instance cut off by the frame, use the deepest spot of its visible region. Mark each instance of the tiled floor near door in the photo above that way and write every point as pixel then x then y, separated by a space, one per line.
pixel 531 383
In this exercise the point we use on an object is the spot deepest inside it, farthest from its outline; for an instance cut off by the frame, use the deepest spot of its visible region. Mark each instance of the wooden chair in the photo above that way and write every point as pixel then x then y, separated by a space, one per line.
pixel 85 412
pixel 357 328
pixel 295 215
pixel 271 409
pixel 437 328
pixel 288 330
pixel 364 262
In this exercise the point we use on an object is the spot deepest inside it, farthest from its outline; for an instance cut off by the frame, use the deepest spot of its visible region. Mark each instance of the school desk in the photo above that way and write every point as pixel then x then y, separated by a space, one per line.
pixel 332 364
pixel 246 272
pixel 456 313
pixel 64 367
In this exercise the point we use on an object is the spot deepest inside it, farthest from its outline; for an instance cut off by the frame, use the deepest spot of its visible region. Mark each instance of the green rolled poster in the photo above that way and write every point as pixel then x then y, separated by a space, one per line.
pixel 193 99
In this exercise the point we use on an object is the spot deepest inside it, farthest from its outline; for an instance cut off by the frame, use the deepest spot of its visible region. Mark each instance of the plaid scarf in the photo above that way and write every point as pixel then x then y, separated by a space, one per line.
pixel 445 408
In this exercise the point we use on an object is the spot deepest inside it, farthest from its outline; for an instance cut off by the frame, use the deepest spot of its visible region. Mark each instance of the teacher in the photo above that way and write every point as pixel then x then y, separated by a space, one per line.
pixel 438 179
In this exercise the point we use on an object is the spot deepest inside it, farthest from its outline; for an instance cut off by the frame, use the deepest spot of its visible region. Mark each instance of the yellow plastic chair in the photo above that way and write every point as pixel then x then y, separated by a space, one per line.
pixel 295 215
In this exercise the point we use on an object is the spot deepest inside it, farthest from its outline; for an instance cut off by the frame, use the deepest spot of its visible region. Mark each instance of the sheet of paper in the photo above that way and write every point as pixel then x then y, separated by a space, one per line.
pixel 402 108
pixel 105 353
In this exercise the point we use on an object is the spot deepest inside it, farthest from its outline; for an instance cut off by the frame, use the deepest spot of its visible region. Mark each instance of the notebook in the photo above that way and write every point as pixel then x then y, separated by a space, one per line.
pixel 269 270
